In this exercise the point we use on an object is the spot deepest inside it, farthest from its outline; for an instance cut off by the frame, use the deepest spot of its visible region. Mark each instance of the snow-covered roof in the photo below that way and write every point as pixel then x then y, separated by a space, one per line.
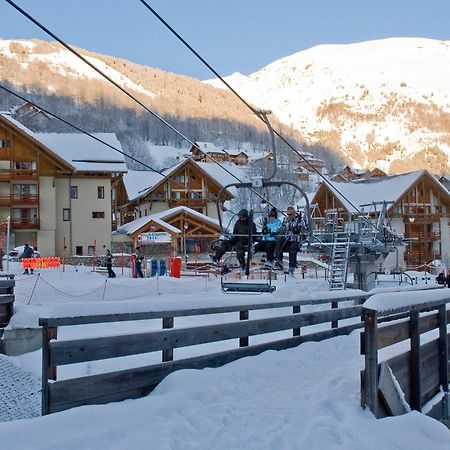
pixel 236 152
pixel 85 153
pixel 138 182
pixel 80 151
pixel 208 147
pixel 161 217
pixel 225 173
pixel 362 192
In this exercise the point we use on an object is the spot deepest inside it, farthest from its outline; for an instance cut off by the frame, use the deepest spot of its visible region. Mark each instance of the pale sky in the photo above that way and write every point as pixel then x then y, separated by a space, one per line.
pixel 232 35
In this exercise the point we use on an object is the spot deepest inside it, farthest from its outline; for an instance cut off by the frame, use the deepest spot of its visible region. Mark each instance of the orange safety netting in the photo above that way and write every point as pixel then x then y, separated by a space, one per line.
pixel 52 262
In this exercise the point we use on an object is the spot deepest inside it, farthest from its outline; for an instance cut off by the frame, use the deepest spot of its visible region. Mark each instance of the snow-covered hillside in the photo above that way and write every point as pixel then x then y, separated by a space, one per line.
pixel 383 103
pixel 67 64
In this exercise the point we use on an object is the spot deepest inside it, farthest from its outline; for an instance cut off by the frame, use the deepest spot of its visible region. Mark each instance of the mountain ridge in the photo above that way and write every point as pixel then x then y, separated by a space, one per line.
pixel 380 103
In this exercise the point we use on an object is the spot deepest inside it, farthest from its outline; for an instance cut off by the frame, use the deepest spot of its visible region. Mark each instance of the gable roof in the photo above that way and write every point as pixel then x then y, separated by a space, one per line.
pixel 79 152
pixel 6 118
pixel 362 192
pixel 139 183
pixel 85 153
pixel 208 147
pixel 161 218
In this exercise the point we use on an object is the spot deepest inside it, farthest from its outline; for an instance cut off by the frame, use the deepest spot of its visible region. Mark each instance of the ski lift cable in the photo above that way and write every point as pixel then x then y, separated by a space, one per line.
pixel 252 108
pixel 109 79
pixel 87 133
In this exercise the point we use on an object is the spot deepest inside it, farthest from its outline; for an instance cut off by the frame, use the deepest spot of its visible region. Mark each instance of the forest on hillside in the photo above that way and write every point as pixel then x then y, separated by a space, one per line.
pixel 134 128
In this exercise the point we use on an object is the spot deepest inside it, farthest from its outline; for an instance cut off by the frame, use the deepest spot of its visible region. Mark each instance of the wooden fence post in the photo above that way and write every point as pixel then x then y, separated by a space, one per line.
pixel 167 355
pixel 414 335
pixel 371 360
pixel 334 305
pixel 243 341
pixel 296 310
pixel 48 372
pixel 443 358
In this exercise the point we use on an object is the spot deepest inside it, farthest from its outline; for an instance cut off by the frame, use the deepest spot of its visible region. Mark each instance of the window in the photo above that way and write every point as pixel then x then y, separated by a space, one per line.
pixel 91 249
pixel 24 165
pixel 100 192
pixel 98 214
pixel 79 250
pixel 6 143
pixel 73 191
pixel 66 214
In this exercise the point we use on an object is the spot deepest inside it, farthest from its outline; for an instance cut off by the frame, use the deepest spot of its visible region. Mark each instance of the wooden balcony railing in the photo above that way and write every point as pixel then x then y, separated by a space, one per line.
pixel 190 202
pixel 19 199
pixel 8 174
pixel 25 223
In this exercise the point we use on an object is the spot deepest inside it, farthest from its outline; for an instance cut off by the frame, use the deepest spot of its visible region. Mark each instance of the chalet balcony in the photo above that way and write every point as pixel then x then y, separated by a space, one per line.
pixel 19 223
pixel 5 175
pixel 422 217
pixel 19 199
pixel 18 174
pixel 189 202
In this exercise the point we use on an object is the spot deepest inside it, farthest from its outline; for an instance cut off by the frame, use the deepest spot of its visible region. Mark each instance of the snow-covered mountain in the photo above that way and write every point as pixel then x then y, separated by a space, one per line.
pixel 382 103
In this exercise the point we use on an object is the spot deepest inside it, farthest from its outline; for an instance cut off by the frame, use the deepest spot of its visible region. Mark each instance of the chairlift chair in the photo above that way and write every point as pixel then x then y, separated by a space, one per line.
pixel 258 183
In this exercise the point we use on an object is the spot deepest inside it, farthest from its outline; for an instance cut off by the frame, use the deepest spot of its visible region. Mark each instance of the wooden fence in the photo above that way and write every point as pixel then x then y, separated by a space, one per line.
pixel 414 377
pixel 132 383
pixel 7 284
pixel 59 395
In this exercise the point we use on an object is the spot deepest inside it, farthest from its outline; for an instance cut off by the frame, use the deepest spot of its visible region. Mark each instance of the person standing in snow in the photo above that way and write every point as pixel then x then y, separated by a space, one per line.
pixel 27 253
pixel 108 264
pixel 138 262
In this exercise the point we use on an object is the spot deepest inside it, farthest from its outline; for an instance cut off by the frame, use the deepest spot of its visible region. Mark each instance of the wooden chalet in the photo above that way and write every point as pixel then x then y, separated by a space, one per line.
pixel 348 173
pixel 418 208
pixel 56 200
pixel 187 231
pixel 189 183
pixel 239 158
pixel 208 152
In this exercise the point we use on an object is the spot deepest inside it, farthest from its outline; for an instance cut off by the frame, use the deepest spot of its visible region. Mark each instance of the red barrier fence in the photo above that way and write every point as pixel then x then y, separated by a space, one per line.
pixel 52 262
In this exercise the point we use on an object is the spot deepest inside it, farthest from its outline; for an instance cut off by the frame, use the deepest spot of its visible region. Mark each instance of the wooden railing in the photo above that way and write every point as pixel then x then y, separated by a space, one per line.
pixel 19 199
pixel 136 382
pixel 7 284
pixel 412 378
pixel 25 223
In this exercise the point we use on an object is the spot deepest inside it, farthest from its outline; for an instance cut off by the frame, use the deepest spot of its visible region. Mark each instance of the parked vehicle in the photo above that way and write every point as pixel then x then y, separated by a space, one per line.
pixel 14 255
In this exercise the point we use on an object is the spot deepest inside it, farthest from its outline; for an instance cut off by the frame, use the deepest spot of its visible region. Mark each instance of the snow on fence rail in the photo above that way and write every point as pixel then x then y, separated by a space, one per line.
pixel 414 377
pixel 59 395
pixel 137 382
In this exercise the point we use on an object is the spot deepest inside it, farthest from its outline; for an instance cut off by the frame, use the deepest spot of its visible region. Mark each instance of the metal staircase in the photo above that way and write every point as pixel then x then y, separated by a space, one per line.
pixel 339 258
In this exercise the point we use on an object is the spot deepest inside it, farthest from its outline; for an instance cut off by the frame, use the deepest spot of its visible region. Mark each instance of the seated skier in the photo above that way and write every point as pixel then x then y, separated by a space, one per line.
pixel 239 240
pixel 290 235
pixel 269 237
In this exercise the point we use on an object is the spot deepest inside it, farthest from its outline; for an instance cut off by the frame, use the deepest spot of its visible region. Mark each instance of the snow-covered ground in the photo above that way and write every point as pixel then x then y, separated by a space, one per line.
pixel 305 398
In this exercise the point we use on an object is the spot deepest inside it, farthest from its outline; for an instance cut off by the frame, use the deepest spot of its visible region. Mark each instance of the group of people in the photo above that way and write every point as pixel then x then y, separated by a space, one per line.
pixel 275 238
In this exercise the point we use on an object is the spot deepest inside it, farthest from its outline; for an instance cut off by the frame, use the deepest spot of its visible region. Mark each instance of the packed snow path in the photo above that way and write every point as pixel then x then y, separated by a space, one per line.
pixel 20 392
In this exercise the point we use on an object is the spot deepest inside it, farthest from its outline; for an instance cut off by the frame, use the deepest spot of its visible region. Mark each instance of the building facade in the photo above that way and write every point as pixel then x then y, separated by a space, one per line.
pixel 55 189
pixel 418 207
